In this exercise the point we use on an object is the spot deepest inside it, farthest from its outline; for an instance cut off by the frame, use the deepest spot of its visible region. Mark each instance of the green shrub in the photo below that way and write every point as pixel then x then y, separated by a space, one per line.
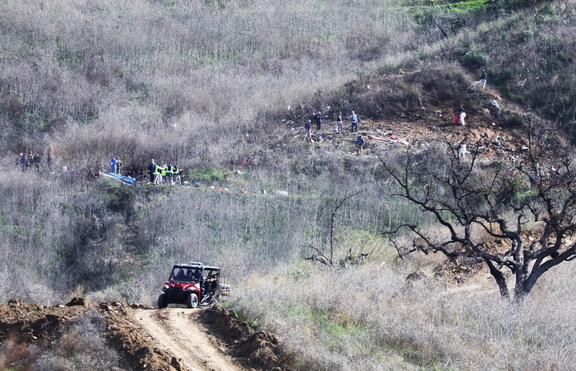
pixel 475 60
pixel 206 174
pixel 511 120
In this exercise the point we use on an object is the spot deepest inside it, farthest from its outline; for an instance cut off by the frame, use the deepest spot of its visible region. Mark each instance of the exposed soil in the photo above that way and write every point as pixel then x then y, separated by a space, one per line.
pixel 23 324
pixel 490 131
pixel 146 339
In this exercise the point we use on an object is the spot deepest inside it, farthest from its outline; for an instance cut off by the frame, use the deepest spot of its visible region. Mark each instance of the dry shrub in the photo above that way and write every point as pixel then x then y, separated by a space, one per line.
pixel 381 322
pixel 56 235
pixel 81 347
pixel 15 354
pixel 213 84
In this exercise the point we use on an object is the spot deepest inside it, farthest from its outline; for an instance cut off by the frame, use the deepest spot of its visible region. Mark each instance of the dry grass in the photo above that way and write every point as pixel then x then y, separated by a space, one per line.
pixel 371 318
pixel 167 79
pixel 81 347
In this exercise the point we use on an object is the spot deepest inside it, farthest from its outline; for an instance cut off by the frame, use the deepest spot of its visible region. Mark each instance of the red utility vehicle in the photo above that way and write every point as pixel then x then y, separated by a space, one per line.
pixel 193 284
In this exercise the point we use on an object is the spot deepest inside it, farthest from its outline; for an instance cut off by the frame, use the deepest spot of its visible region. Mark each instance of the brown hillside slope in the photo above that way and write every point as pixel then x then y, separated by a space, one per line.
pixel 417 107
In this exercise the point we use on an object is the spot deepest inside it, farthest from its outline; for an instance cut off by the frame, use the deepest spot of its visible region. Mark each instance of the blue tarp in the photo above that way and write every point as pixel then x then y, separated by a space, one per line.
pixel 124 179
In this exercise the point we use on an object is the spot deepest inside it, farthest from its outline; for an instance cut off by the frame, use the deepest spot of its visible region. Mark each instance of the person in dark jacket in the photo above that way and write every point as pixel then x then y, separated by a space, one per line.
pixel 308 130
pixel 151 170
pixel 360 142
pixel 37 161
pixel 318 118
pixel 483 78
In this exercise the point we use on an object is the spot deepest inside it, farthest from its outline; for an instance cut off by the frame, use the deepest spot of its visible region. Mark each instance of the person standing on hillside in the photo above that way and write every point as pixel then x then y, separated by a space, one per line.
pixel 163 173
pixel 22 161
pixel 339 123
pixel 482 81
pixel 354 122
pixel 483 78
pixel 152 170
pixel 49 162
pixel 176 175
pixel 112 165
pixel 462 116
pixel 457 116
pixel 169 174
pixel 462 151
pixel 118 165
pixel 318 118
pixel 37 161
pixel 308 130
pixel 360 142
pixel 157 175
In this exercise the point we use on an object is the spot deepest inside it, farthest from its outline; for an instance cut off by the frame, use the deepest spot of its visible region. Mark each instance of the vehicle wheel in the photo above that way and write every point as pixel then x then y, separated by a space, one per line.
pixel 192 301
pixel 162 301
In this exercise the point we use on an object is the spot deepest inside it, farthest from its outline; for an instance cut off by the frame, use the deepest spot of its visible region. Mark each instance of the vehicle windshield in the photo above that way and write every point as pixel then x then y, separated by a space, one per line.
pixel 185 274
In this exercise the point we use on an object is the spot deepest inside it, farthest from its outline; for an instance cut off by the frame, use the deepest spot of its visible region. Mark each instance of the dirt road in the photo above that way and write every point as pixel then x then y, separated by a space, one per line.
pixel 176 331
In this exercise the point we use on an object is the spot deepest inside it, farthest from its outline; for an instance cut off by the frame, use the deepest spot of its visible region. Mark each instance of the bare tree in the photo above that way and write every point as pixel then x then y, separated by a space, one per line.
pixel 319 254
pixel 529 205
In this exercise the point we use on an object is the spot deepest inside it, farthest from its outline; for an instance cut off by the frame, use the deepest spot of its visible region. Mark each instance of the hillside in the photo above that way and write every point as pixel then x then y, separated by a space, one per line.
pixel 223 89
pixel 29 331
pixel 432 120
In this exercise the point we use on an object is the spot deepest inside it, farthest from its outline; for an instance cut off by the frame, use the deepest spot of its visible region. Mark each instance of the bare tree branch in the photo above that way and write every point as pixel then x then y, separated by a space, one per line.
pixel 499 199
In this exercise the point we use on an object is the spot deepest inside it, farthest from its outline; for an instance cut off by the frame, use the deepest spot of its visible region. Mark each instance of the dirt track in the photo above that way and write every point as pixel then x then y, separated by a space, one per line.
pixel 176 331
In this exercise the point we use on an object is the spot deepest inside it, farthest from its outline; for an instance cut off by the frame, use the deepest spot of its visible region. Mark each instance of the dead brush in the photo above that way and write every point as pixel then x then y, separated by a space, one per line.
pixel 81 346
pixel 16 353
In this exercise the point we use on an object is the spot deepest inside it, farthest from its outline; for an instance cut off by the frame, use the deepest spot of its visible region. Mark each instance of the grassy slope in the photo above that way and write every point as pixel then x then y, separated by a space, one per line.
pixel 205 84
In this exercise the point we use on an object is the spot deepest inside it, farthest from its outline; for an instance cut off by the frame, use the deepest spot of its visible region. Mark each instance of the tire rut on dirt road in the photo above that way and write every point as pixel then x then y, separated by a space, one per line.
pixel 176 331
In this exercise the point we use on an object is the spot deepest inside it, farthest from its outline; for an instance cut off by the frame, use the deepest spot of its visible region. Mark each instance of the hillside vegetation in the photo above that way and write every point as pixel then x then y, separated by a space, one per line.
pixel 222 88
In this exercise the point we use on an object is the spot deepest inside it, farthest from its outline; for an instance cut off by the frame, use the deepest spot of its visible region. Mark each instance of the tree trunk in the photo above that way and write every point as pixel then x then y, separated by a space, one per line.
pixel 500 279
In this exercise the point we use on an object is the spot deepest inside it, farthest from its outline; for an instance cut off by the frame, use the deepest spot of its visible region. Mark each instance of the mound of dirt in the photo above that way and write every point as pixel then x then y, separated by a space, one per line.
pixel 23 324
pixel 127 338
pixel 489 131
pixel 254 349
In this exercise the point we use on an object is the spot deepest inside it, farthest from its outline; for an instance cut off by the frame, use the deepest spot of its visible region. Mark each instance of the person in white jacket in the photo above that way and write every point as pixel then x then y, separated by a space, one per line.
pixel 462 116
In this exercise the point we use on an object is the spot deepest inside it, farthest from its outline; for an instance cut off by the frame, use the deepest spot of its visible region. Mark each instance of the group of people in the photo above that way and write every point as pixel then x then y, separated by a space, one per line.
pixel 319 118
pixel 27 162
pixel 115 165
pixel 164 174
